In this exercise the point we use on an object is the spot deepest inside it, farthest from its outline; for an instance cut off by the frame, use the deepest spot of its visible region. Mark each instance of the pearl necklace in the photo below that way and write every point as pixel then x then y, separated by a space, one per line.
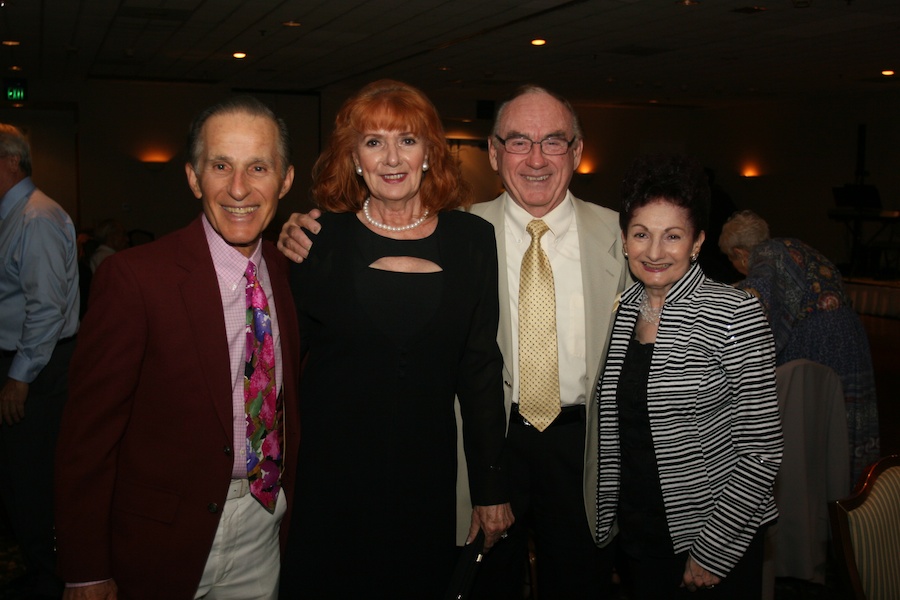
pixel 648 313
pixel 380 225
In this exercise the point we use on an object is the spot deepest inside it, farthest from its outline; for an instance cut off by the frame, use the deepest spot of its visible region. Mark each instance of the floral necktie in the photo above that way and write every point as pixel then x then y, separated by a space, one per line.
pixel 263 407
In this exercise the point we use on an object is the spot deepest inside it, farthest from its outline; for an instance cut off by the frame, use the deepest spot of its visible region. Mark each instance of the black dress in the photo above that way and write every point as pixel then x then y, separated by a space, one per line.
pixel 374 508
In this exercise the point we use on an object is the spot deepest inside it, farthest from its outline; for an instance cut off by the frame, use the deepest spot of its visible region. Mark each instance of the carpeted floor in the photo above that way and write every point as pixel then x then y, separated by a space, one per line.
pixel 785 589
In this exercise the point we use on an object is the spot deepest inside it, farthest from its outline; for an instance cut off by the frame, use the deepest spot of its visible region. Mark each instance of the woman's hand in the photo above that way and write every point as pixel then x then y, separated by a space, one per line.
pixel 696 577
pixel 293 241
pixel 105 590
pixel 494 520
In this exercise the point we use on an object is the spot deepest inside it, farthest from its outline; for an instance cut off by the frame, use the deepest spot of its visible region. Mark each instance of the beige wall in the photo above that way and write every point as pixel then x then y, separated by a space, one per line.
pixel 803 148
pixel 87 145
pixel 88 149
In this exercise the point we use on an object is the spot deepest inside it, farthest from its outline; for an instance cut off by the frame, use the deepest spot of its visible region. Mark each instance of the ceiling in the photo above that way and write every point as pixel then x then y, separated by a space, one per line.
pixel 607 52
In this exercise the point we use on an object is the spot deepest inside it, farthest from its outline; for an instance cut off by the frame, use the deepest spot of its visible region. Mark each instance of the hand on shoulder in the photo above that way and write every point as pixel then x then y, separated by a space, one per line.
pixel 293 241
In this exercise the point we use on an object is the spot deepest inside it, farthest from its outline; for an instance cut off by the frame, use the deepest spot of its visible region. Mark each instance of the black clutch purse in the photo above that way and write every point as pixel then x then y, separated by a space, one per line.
pixel 466 567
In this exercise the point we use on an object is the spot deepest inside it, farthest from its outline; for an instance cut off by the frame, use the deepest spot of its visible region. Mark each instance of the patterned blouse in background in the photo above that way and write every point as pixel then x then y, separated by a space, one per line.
pixel 811 317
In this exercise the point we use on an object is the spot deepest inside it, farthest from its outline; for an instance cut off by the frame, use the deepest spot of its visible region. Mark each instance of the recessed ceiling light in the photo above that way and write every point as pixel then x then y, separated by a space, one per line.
pixel 10 42
pixel 887 73
pixel 240 55
pixel 688 2
pixel 292 23
pixel 443 68
pixel 15 68
pixel 538 42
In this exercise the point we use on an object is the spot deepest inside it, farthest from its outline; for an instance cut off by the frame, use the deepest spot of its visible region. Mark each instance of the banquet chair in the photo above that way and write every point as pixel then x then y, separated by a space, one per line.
pixel 815 470
pixel 866 533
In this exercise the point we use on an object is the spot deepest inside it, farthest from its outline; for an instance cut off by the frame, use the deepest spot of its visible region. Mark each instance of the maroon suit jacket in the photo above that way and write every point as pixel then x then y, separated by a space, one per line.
pixel 145 455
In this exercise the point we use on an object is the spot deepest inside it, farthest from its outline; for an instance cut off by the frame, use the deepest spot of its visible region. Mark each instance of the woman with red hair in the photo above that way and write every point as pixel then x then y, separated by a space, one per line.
pixel 398 313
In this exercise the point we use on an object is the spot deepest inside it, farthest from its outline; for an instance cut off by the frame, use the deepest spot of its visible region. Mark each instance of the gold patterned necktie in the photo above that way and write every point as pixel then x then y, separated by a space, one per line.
pixel 538 360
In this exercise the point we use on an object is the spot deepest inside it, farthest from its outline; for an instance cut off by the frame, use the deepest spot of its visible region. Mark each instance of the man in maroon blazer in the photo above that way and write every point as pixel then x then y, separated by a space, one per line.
pixel 152 492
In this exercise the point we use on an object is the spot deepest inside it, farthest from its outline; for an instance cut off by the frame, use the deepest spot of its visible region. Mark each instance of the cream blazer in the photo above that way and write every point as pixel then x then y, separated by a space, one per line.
pixel 605 274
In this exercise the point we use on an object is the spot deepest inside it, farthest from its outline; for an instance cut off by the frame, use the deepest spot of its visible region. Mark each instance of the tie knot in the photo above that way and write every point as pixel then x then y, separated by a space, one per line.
pixel 537 228
pixel 250 272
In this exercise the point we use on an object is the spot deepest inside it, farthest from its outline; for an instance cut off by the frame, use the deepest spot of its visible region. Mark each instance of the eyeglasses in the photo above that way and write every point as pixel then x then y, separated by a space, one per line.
pixel 553 146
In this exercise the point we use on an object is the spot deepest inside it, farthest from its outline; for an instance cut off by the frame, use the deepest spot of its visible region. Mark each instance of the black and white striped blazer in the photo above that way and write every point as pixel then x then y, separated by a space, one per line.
pixel 713 416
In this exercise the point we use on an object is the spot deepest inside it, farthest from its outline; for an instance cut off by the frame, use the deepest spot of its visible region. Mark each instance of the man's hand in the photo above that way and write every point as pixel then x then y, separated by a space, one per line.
pixel 12 401
pixel 696 577
pixel 292 241
pixel 494 520
pixel 105 590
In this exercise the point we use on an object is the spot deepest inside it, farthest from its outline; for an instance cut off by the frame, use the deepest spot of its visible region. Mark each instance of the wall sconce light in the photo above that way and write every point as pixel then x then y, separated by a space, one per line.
pixel 155 159
pixel 750 171
pixel 749 167
pixel 582 178
pixel 586 170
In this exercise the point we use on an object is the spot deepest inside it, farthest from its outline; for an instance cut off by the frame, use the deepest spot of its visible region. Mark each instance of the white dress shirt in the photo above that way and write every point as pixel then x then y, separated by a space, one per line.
pixel 562 247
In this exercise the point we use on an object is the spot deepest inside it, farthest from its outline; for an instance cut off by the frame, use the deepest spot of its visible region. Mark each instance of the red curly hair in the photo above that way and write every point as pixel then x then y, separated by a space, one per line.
pixel 392 106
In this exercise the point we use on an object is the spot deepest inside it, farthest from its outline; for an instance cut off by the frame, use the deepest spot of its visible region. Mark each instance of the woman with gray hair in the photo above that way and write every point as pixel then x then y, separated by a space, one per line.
pixel 811 317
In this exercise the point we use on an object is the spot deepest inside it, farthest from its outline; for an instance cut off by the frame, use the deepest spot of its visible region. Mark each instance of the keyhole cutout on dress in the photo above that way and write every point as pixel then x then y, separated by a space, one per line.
pixel 405 264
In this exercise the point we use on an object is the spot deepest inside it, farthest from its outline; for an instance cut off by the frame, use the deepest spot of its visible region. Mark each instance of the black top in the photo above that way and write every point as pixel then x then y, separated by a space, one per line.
pixel 386 353
pixel 405 302
pixel 643 531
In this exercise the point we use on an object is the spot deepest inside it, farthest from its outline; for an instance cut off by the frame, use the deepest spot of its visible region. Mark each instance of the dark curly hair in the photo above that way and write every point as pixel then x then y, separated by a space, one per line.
pixel 677 179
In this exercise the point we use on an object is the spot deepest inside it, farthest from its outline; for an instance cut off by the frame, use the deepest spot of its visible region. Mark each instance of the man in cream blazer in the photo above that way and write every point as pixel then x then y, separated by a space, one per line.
pixel 553 474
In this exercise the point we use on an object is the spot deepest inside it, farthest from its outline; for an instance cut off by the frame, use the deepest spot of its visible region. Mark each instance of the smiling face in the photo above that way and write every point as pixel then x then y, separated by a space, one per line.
pixel 660 241
pixel 239 176
pixel 535 181
pixel 391 162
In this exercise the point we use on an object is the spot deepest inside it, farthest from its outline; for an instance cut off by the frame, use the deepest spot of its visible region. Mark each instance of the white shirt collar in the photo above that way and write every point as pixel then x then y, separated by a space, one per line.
pixel 559 220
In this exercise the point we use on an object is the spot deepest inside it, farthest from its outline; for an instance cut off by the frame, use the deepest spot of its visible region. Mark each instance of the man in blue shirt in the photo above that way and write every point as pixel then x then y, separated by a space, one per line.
pixel 38 320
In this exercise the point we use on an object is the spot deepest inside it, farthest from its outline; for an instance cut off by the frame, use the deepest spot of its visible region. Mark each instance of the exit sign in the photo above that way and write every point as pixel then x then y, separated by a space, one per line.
pixel 16 90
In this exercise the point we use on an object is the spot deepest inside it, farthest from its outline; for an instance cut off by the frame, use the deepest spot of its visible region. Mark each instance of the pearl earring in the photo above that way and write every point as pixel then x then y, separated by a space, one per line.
pixel 424 166
pixel 625 251
pixel 358 170
pixel 693 258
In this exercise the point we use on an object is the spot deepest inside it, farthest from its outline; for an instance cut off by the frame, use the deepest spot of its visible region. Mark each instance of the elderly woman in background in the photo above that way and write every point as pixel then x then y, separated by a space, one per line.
pixel 811 318
pixel 398 313
pixel 690 437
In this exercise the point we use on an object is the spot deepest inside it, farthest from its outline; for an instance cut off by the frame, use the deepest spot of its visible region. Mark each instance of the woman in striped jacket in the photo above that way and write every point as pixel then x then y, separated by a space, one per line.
pixel 690 437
